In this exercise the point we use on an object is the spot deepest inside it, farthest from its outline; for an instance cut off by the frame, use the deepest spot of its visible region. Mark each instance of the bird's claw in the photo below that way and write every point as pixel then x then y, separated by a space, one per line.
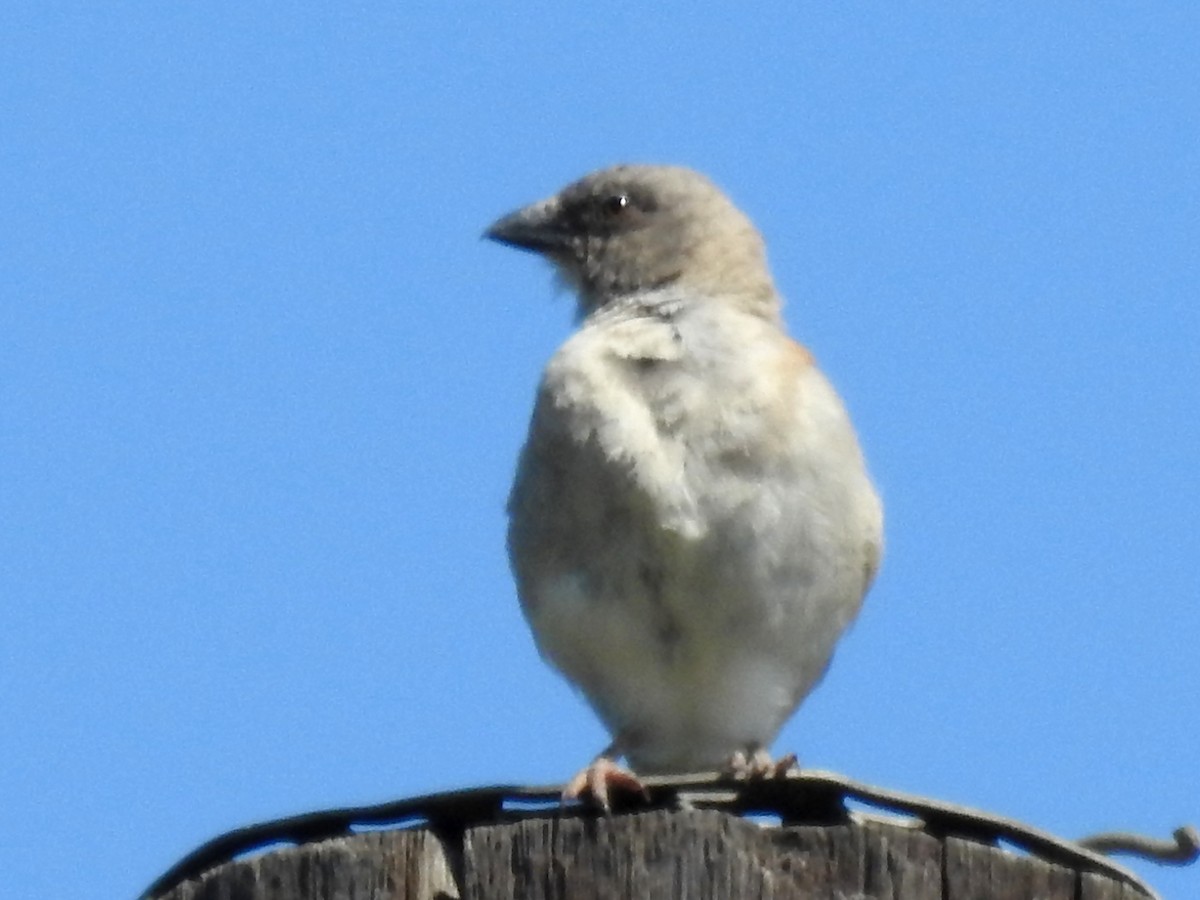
pixel 598 778
pixel 757 765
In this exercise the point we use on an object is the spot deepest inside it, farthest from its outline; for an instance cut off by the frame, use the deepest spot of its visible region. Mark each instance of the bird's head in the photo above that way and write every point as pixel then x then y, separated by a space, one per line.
pixel 634 228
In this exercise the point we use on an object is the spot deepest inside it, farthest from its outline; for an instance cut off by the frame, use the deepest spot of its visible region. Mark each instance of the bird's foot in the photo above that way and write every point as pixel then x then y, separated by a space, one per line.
pixel 602 775
pixel 756 764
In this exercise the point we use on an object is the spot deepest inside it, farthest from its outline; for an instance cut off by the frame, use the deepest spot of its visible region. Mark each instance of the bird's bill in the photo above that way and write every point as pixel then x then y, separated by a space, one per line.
pixel 536 228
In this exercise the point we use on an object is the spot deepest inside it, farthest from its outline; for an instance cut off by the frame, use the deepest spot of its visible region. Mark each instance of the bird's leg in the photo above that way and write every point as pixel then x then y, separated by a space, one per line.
pixel 754 763
pixel 602 774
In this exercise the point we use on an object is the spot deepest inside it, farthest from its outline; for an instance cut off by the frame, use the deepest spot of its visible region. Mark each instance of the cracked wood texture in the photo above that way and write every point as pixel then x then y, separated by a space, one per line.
pixel 689 855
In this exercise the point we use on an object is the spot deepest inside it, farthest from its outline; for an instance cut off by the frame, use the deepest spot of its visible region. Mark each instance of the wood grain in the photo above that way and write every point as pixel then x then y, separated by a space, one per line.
pixel 690 855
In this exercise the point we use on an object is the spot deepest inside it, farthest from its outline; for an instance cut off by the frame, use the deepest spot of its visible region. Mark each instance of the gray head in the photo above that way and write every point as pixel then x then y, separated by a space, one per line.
pixel 628 229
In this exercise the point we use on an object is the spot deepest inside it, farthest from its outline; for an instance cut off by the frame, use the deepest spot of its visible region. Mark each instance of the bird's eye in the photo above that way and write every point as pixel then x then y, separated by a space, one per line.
pixel 616 204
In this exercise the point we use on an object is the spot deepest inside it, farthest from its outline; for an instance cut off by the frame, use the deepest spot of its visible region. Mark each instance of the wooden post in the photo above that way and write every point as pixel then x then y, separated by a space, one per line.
pixel 688 854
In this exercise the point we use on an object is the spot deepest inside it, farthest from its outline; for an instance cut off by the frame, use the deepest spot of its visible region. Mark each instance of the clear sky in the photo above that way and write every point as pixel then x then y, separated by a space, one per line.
pixel 262 387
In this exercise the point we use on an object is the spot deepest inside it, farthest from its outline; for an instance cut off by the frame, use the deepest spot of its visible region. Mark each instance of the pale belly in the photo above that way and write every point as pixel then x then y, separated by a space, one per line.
pixel 702 662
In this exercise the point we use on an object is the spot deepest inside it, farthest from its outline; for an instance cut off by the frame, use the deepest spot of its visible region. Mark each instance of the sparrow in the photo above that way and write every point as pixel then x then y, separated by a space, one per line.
pixel 691 526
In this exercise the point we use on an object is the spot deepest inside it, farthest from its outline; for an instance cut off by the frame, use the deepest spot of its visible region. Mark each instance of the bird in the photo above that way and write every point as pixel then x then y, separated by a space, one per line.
pixel 691 526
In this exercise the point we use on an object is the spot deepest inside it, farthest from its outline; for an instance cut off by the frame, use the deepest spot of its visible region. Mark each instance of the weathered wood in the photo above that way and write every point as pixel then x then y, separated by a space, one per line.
pixel 385 865
pixel 1097 887
pixel 696 854
pixel 977 871
pixel 808 797
pixel 690 855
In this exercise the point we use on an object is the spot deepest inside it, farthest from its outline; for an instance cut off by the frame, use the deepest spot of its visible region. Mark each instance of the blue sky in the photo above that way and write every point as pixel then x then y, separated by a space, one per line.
pixel 262 386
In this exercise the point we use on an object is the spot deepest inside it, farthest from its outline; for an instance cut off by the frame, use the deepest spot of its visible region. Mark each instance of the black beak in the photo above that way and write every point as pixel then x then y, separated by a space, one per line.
pixel 535 227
